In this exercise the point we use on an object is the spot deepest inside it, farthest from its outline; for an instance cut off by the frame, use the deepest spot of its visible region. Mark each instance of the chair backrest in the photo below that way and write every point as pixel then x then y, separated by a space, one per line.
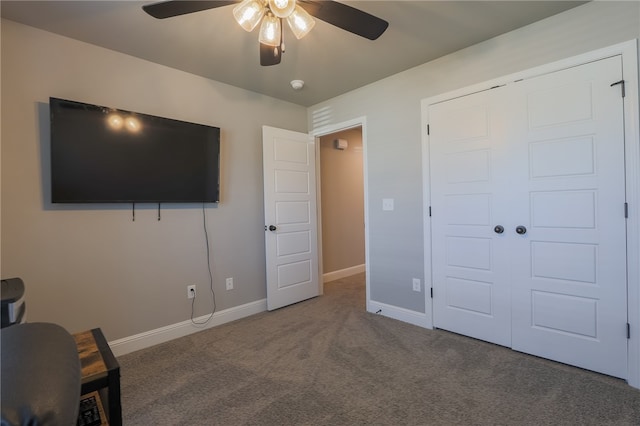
pixel 13 308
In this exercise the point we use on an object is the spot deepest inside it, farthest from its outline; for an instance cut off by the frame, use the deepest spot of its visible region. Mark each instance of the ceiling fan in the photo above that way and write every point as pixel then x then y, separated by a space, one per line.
pixel 298 13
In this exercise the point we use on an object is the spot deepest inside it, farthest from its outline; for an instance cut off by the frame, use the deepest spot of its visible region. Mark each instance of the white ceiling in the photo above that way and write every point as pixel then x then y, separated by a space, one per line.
pixel 331 61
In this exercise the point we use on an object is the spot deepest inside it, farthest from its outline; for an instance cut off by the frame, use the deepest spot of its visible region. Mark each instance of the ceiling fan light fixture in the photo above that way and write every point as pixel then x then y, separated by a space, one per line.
pixel 270 31
pixel 249 13
pixel 300 22
pixel 282 8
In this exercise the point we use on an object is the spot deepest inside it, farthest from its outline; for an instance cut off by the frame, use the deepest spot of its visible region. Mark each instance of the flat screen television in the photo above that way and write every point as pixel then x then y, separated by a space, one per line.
pixel 107 155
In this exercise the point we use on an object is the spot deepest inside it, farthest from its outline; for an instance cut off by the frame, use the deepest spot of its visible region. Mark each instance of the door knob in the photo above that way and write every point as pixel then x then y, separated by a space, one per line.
pixel 521 230
pixel 499 229
pixel 272 228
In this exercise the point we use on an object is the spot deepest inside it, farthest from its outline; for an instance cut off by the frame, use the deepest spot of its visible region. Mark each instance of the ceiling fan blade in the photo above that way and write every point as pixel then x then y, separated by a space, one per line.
pixel 168 9
pixel 346 17
pixel 270 55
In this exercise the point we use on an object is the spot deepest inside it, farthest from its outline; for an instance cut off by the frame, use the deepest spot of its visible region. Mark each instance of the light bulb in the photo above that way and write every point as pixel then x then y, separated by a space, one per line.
pixel 115 121
pixel 300 22
pixel 248 13
pixel 132 124
pixel 282 8
pixel 270 31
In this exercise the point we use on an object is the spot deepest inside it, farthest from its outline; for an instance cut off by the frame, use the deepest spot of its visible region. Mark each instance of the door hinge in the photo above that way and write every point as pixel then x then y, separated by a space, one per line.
pixel 428 130
pixel 628 331
pixel 429 211
pixel 621 82
pixel 432 292
pixel 626 210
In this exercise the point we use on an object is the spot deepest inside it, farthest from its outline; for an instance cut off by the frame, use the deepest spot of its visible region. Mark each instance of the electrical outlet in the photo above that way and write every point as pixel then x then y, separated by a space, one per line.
pixel 191 291
pixel 416 284
pixel 229 283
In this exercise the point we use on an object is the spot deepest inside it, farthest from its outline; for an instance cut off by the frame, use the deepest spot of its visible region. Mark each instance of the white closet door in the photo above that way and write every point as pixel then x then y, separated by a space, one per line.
pixel 470 275
pixel 545 154
pixel 569 268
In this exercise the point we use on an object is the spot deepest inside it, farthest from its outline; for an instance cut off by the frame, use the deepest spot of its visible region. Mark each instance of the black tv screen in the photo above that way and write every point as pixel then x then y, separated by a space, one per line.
pixel 107 155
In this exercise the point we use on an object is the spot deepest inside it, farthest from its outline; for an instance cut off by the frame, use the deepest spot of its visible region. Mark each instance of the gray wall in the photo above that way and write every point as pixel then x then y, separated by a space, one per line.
pixel 342 201
pixel 392 110
pixel 91 266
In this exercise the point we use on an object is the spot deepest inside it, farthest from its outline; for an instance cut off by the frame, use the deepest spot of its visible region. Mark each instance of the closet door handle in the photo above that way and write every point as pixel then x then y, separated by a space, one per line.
pixel 499 229
pixel 521 230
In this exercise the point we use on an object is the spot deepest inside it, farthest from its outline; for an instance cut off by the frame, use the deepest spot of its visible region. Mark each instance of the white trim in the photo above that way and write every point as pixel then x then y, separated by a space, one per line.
pixel 164 334
pixel 339 127
pixel 629 52
pixel 341 273
pixel 321 279
pixel 400 314
pixel 632 157
pixel 345 125
pixel 426 221
pixel 596 55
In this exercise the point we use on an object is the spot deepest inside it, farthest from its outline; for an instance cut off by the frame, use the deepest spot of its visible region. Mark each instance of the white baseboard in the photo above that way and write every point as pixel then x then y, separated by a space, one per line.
pixel 412 317
pixel 164 334
pixel 347 272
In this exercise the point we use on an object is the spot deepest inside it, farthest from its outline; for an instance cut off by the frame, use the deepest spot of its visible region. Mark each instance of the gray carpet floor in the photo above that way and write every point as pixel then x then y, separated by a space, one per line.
pixel 326 361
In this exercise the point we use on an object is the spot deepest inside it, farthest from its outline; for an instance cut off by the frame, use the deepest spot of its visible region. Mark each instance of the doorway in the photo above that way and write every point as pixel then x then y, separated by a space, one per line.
pixel 342 205
pixel 293 210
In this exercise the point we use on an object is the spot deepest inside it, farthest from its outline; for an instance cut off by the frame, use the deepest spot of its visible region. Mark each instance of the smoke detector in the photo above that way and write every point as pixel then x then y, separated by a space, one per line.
pixel 297 84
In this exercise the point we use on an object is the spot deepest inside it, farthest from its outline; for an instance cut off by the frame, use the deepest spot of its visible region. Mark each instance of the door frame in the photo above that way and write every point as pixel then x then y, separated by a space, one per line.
pixel 360 122
pixel 629 53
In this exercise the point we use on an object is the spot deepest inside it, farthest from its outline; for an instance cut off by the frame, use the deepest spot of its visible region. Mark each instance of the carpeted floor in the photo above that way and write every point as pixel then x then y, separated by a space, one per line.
pixel 327 361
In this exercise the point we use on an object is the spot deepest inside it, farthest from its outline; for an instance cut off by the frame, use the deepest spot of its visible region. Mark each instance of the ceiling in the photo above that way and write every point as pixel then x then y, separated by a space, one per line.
pixel 330 60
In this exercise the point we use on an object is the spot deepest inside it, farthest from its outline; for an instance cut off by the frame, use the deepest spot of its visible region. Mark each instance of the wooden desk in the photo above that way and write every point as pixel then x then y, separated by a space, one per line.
pixel 100 372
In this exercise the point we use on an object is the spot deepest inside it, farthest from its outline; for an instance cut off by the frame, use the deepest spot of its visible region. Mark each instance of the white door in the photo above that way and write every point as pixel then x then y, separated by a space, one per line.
pixel 569 268
pixel 290 216
pixel 470 278
pixel 545 155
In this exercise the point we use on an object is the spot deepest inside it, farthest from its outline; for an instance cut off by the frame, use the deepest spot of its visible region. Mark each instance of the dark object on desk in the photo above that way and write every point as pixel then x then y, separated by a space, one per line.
pixel 40 375
pixel 13 306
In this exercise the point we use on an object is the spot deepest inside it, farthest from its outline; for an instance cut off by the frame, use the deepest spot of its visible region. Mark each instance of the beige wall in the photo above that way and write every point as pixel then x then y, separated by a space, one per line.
pixel 91 266
pixel 342 200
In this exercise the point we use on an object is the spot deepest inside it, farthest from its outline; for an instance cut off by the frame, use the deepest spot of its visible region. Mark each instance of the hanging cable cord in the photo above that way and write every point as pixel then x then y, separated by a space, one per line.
pixel 213 294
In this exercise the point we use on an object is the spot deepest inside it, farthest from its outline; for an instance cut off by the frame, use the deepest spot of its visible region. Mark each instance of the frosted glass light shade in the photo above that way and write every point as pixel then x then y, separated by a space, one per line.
pixel 282 8
pixel 270 31
pixel 300 22
pixel 248 13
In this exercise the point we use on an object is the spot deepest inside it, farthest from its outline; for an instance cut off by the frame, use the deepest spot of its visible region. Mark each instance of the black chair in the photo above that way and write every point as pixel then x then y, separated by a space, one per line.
pixel 40 367
pixel 13 308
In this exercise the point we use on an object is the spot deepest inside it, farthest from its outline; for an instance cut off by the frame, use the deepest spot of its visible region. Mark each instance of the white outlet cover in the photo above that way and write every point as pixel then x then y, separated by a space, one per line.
pixel 416 284
pixel 387 204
